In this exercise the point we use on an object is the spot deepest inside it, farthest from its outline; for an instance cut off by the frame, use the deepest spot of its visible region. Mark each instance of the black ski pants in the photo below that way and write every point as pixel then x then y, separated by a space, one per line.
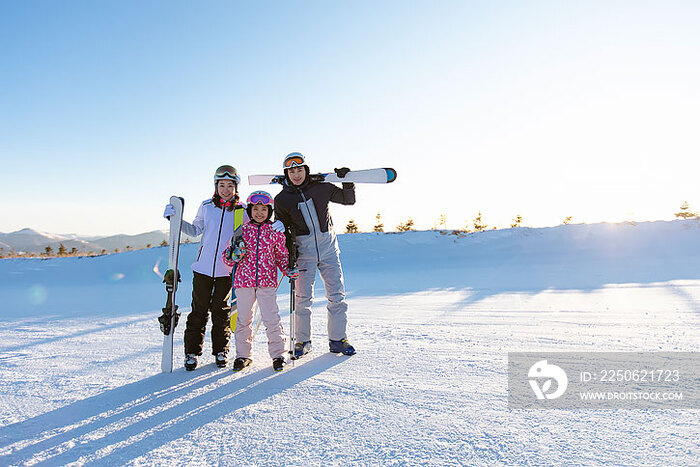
pixel 208 294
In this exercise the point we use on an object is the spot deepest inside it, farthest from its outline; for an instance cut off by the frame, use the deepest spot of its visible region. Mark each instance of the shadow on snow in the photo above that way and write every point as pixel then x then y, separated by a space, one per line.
pixel 127 422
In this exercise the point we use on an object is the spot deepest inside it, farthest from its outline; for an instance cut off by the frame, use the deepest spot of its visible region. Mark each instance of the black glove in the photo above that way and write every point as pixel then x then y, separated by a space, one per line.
pixel 341 172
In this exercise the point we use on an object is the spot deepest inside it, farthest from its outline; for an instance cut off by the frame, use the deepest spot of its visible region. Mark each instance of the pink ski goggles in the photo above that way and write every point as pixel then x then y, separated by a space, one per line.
pixel 260 197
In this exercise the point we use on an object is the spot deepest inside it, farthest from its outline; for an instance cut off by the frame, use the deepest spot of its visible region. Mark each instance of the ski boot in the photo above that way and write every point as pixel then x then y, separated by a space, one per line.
pixel 221 359
pixel 190 361
pixel 278 363
pixel 240 363
pixel 301 349
pixel 341 346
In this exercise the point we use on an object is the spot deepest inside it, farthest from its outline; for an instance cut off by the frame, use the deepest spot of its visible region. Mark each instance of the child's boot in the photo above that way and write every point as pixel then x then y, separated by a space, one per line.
pixel 240 363
pixel 278 363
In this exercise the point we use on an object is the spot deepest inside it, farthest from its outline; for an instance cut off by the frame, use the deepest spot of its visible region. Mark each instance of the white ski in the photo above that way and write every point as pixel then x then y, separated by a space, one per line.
pixel 385 175
pixel 170 316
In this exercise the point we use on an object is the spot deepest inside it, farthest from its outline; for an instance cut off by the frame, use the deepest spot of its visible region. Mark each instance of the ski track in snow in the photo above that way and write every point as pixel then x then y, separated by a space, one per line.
pixel 427 387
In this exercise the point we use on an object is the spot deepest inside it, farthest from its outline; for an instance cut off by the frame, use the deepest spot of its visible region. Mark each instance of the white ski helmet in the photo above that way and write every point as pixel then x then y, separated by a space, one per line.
pixel 227 172
pixel 294 159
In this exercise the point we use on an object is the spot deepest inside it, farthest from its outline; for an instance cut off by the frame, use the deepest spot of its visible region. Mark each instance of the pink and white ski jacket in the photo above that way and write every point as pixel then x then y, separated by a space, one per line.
pixel 265 252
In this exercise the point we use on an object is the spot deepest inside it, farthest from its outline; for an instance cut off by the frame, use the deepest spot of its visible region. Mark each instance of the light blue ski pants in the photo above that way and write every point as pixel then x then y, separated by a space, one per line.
pixel 320 252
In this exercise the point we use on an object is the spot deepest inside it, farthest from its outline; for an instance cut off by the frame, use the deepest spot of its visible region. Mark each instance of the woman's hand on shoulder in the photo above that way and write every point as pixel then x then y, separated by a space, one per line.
pixel 278 226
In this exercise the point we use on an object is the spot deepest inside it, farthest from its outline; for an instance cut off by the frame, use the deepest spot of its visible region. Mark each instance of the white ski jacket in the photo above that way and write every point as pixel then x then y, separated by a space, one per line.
pixel 216 226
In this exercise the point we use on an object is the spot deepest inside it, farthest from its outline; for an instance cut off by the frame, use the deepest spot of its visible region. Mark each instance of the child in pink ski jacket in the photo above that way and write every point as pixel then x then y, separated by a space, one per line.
pixel 255 279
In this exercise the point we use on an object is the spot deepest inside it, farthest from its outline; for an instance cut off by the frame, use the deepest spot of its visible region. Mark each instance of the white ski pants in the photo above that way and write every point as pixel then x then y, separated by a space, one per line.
pixel 332 275
pixel 266 298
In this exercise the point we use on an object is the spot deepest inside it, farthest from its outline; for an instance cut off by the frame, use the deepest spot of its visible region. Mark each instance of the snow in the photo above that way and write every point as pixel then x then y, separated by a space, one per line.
pixel 432 315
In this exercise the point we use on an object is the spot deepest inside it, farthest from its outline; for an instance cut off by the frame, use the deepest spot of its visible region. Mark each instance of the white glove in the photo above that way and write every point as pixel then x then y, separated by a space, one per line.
pixel 169 211
pixel 278 226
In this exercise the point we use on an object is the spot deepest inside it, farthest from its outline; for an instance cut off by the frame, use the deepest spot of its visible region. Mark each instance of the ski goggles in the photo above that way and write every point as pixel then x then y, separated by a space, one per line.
pixel 260 197
pixel 227 172
pixel 294 161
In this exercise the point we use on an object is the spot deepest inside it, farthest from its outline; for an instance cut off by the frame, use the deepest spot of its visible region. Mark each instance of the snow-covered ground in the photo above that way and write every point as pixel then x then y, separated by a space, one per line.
pixel 432 316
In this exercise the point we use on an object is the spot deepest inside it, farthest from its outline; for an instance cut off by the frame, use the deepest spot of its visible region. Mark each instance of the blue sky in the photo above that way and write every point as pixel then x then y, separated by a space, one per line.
pixel 544 109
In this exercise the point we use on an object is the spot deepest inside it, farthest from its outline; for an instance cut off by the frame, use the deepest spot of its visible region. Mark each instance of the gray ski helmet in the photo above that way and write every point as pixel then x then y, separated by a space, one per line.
pixel 227 172
pixel 294 159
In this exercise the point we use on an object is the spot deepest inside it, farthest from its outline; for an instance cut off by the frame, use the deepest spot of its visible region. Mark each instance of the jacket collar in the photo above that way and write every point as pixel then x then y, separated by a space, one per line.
pixel 292 188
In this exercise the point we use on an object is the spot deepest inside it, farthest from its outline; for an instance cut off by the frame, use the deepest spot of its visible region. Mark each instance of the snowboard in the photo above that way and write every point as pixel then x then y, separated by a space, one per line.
pixel 168 320
pixel 385 175
pixel 235 240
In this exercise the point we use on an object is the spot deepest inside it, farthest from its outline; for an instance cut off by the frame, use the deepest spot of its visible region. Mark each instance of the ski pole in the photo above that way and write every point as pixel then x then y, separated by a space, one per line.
pixel 292 324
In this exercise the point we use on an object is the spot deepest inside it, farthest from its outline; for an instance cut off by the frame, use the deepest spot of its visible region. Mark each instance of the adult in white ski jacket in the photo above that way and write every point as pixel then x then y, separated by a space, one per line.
pixel 215 224
pixel 211 282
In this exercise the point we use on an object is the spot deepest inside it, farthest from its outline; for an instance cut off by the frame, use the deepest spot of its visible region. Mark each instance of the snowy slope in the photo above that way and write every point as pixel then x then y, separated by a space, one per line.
pixel 433 317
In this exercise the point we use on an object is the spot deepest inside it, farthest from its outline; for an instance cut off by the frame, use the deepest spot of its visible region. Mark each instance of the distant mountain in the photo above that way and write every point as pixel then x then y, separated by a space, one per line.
pixel 32 241
pixel 137 242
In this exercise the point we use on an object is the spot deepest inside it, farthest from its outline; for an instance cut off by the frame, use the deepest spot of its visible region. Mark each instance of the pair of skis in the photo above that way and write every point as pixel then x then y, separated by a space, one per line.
pixel 170 317
pixel 385 175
